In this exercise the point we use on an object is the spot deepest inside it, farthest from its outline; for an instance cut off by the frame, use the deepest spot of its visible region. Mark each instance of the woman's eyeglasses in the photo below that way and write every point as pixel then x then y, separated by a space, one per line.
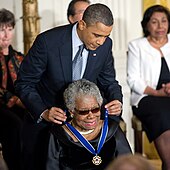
pixel 85 112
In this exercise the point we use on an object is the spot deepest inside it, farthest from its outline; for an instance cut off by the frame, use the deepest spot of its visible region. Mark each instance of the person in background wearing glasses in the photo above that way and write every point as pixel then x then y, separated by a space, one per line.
pixel 76 9
pixel 47 70
pixel 67 149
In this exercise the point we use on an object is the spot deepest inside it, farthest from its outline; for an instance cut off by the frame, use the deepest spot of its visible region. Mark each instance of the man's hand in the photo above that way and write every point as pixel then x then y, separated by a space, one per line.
pixel 55 115
pixel 114 107
pixel 12 101
pixel 20 104
pixel 166 88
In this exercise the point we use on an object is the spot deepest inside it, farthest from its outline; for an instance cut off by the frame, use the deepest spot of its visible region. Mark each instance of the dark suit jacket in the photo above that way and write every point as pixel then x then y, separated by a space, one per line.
pixel 47 70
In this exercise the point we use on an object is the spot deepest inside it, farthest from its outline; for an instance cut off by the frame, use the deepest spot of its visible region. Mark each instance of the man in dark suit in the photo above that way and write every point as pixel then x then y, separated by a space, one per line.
pixel 47 70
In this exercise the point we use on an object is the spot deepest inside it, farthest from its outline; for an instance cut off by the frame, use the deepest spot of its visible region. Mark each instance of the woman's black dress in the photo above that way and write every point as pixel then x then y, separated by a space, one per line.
pixel 11 119
pixel 153 111
pixel 65 154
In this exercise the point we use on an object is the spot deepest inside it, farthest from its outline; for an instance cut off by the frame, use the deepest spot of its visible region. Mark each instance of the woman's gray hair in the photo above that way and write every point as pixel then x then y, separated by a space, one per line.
pixel 81 88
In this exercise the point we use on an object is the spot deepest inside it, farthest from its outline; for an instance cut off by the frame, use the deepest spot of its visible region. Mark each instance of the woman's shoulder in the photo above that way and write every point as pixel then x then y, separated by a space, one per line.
pixel 14 51
pixel 139 43
pixel 140 40
pixel 168 38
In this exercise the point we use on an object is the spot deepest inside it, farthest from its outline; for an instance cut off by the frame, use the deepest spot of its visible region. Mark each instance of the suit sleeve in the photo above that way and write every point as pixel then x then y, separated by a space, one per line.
pixel 29 75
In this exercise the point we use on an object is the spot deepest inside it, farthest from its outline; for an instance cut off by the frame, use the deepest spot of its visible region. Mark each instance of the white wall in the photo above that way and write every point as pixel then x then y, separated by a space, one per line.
pixel 127 14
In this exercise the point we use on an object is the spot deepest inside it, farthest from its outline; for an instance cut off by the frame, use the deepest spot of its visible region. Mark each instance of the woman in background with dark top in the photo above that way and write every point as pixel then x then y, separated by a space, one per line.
pixel 148 73
pixel 11 108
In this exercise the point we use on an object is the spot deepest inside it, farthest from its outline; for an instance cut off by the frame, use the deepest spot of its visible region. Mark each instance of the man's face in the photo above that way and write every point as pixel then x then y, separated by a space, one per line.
pixel 79 7
pixel 93 35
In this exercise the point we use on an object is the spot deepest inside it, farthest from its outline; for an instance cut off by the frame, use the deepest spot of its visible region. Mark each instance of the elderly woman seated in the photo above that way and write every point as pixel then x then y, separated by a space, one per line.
pixel 85 142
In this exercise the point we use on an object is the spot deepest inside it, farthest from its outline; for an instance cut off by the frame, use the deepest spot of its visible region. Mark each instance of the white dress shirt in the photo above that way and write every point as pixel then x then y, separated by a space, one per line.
pixel 76 42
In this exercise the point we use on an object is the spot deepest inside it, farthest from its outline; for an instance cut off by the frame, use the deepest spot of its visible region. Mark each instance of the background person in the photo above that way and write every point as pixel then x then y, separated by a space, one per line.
pixel 148 73
pixel 3 165
pixel 50 71
pixel 11 109
pixel 76 9
pixel 84 101
pixel 130 162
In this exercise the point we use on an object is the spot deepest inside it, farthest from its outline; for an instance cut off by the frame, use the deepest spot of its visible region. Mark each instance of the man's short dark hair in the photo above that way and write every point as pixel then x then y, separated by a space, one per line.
pixel 98 13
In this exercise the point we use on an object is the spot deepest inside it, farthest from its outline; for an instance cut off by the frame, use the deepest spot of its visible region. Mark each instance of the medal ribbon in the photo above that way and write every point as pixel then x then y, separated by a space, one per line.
pixel 85 142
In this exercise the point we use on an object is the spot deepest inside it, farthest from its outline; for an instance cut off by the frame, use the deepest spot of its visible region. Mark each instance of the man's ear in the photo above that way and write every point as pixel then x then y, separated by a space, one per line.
pixel 81 25
pixel 70 19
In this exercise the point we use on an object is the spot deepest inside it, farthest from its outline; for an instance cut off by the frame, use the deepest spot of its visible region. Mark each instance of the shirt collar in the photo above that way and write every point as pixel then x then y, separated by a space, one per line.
pixel 75 38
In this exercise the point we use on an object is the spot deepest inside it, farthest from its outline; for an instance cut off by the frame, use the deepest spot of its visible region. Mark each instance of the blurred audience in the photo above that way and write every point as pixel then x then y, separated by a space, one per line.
pixel 76 9
pixel 130 162
pixel 3 165
pixel 11 109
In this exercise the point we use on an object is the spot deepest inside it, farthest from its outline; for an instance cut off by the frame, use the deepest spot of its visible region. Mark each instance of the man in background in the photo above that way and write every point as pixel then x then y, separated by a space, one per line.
pixel 76 9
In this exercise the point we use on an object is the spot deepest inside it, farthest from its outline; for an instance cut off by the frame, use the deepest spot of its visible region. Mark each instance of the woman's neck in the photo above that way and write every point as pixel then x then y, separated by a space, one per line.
pixel 5 51
pixel 91 134
pixel 86 132
pixel 83 131
pixel 157 42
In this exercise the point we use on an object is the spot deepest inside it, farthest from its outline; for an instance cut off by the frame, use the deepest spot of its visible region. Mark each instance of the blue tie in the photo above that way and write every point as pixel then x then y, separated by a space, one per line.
pixel 78 63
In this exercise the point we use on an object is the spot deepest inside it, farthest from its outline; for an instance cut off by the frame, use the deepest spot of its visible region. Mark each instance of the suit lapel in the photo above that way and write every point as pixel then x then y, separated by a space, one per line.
pixel 66 61
pixel 66 55
pixel 66 58
pixel 91 62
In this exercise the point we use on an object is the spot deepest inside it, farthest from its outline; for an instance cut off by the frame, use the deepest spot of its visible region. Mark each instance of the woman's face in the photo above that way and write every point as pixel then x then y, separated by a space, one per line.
pixel 6 36
pixel 89 107
pixel 158 25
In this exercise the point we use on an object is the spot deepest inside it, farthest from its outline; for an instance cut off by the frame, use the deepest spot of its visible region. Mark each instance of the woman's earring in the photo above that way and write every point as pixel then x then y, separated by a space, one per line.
pixel 72 115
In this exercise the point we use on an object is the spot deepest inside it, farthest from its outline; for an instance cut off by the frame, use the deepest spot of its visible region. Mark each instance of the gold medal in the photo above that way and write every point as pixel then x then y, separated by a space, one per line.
pixel 97 160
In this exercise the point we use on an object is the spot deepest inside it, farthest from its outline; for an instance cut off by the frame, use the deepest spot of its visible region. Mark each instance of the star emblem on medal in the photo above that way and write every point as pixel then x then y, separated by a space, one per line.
pixel 97 160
